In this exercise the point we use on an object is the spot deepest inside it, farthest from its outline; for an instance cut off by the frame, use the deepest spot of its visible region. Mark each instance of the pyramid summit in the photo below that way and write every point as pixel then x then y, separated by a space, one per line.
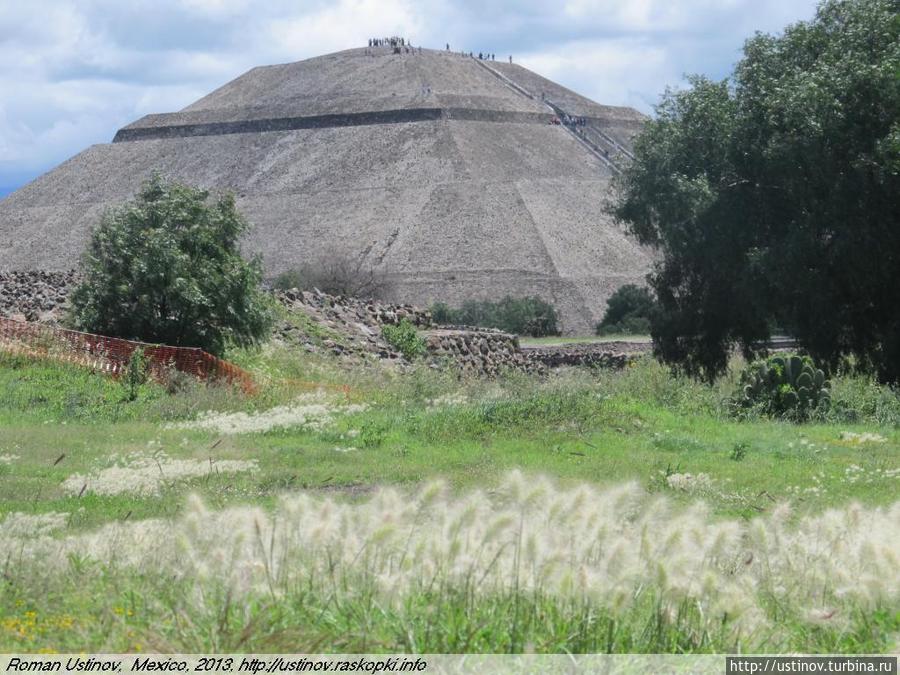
pixel 452 176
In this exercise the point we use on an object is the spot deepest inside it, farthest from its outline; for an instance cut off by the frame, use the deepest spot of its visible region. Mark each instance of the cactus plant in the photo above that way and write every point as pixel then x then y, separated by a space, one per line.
pixel 784 386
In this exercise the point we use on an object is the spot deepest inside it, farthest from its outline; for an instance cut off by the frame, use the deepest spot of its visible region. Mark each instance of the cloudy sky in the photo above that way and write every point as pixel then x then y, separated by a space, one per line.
pixel 73 71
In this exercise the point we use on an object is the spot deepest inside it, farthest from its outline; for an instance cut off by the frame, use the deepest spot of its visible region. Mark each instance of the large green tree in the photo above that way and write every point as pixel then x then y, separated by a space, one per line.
pixel 165 268
pixel 774 196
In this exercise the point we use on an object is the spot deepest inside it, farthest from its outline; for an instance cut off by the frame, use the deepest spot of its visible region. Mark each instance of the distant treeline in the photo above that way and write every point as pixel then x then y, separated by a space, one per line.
pixel 522 316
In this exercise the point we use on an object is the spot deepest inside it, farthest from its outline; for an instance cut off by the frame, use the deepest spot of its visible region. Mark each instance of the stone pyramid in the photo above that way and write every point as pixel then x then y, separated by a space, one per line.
pixel 447 174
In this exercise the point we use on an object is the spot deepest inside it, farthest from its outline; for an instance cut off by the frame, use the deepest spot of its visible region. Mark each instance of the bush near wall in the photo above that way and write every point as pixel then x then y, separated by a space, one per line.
pixel 405 339
pixel 521 316
pixel 627 312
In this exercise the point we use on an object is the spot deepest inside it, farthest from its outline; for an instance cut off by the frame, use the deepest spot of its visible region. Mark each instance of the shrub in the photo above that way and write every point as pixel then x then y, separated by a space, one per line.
pixel 739 451
pixel 166 268
pixel 627 312
pixel 522 316
pixel 630 325
pixel 175 381
pixel 136 373
pixel 784 386
pixel 859 398
pixel 442 313
pixel 292 278
pixel 335 275
pixel 404 338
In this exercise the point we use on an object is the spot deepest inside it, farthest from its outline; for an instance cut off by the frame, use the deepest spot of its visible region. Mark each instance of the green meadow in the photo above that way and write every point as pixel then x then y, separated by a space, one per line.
pixel 380 509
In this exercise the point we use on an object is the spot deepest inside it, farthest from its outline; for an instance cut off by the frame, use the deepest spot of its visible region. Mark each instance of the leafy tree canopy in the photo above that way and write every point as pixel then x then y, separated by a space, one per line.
pixel 628 310
pixel 165 268
pixel 774 196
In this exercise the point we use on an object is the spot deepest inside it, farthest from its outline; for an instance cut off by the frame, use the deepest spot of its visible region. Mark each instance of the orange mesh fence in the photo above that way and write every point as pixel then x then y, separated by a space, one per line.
pixel 112 354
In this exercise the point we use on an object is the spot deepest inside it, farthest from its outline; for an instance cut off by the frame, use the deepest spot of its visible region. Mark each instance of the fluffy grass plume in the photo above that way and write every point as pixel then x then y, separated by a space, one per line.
pixel 642 568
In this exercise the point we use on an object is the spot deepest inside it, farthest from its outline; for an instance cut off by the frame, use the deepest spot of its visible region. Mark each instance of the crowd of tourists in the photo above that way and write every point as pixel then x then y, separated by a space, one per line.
pixel 484 56
pixel 398 44
pixel 388 42
pixel 572 121
pixel 401 45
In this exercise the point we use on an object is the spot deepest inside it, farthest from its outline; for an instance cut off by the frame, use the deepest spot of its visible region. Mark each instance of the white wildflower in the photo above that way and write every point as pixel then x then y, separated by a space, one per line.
pixel 691 483
pixel 314 412
pixel 859 439
pixel 448 400
pixel 24 525
pixel 143 475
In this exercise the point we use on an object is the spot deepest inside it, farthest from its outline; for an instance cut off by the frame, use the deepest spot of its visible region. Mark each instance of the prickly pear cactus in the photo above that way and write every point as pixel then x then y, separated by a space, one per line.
pixel 784 386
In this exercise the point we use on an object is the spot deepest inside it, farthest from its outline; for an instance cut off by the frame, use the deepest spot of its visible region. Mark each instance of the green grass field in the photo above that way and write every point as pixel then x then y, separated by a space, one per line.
pixel 568 515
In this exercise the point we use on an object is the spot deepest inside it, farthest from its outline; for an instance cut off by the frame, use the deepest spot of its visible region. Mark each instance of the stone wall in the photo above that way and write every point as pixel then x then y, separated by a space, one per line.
pixel 478 352
pixel 349 327
pixel 346 327
pixel 595 355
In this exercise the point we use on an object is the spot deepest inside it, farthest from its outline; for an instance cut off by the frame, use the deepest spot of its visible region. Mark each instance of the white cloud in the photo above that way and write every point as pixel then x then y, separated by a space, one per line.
pixel 218 7
pixel 652 16
pixel 348 23
pixel 619 72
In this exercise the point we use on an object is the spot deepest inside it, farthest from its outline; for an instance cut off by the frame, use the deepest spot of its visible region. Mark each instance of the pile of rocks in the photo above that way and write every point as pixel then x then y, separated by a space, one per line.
pixel 35 296
pixel 318 322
